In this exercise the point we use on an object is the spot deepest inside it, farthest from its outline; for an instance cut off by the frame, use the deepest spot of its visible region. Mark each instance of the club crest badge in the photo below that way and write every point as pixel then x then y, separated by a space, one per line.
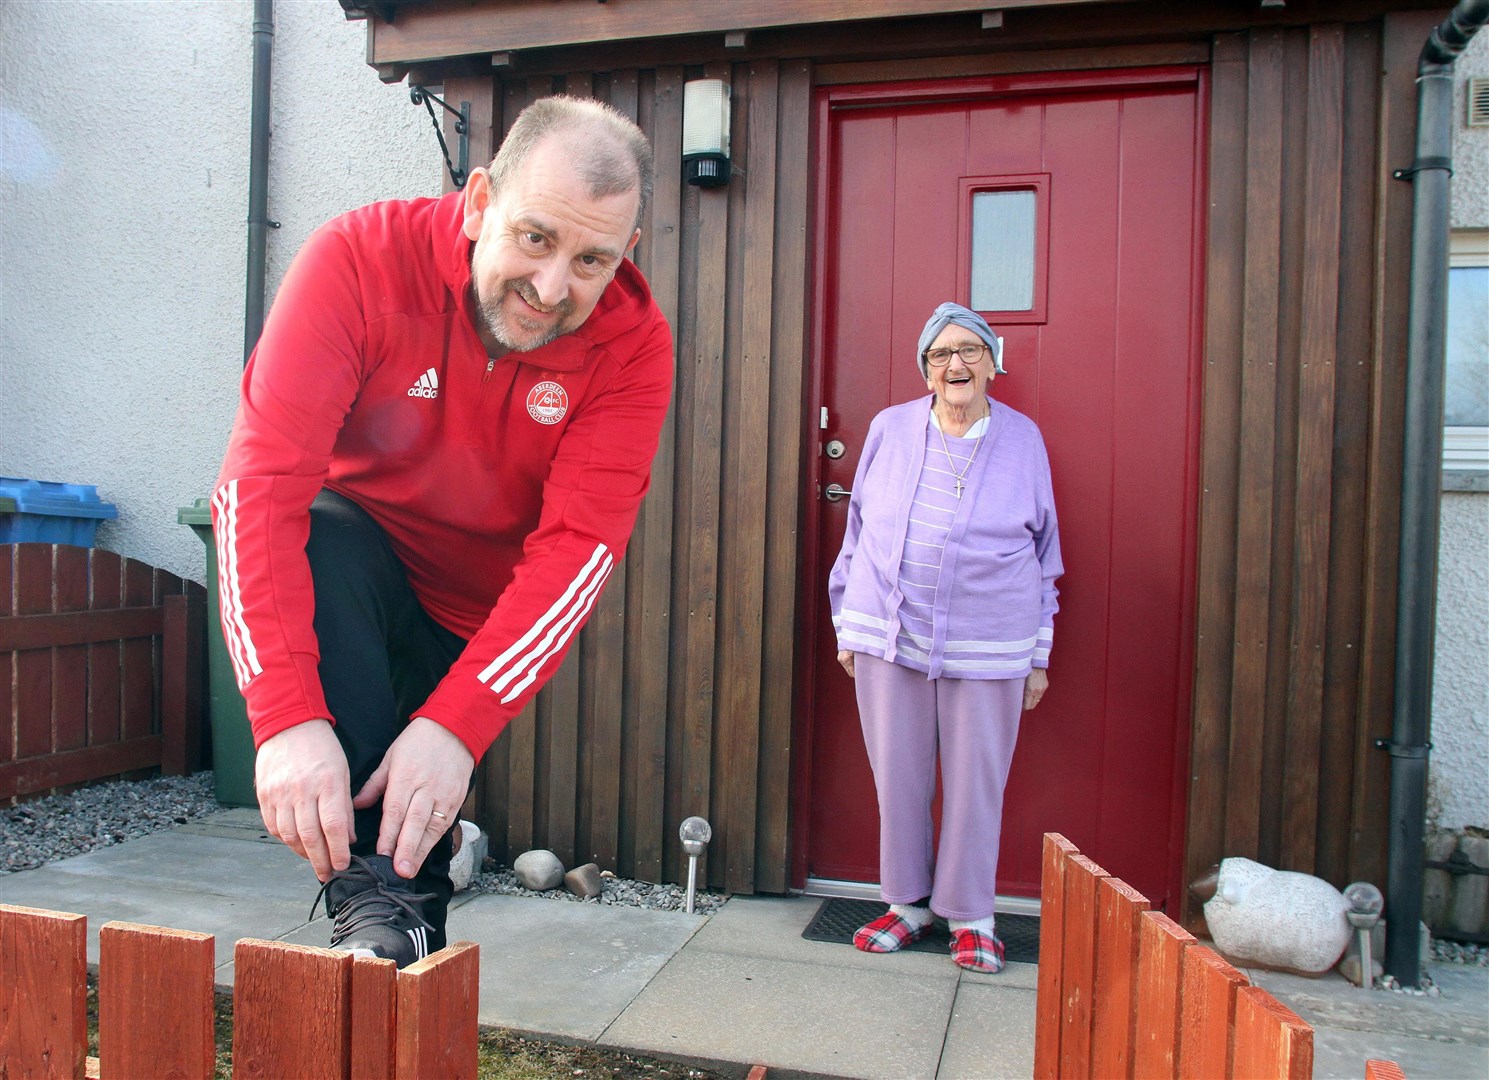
pixel 547 402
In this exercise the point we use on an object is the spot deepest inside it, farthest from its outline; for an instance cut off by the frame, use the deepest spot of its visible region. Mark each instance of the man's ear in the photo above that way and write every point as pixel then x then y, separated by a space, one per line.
pixel 632 245
pixel 477 198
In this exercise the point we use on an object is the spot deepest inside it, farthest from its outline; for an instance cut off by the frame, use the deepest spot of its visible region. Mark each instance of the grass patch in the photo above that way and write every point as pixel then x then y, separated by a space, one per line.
pixel 501 1054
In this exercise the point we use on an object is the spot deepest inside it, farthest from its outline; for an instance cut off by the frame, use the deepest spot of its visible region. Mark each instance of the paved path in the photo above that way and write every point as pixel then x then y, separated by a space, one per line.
pixel 730 990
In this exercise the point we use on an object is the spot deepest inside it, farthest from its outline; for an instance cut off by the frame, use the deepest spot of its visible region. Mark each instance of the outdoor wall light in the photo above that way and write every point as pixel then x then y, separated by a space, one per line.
pixel 695 835
pixel 705 133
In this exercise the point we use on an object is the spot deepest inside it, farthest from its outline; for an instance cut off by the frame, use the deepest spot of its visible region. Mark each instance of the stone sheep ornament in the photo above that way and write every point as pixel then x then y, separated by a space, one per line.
pixel 1274 918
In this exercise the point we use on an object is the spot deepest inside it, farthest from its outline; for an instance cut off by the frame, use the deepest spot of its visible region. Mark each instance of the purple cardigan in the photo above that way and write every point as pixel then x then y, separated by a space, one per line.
pixel 995 606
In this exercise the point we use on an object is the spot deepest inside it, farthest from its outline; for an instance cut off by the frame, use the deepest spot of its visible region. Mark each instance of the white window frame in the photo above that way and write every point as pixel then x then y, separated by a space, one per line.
pixel 1465 449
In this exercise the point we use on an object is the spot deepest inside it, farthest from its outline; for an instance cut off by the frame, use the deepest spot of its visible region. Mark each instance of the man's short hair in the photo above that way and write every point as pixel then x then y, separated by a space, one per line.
pixel 612 155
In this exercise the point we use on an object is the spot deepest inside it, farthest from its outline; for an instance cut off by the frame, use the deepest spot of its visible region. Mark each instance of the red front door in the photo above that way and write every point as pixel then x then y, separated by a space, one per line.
pixel 1103 356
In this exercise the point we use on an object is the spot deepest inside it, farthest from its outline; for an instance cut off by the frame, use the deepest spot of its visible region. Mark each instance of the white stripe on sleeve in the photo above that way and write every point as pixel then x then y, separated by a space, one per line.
pixel 601 559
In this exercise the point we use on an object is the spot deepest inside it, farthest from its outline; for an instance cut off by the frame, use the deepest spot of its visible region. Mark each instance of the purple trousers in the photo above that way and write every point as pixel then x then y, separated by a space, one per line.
pixel 972 723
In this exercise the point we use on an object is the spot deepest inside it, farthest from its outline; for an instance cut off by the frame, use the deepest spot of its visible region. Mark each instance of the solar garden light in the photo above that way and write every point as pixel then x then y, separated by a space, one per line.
pixel 695 835
pixel 1365 904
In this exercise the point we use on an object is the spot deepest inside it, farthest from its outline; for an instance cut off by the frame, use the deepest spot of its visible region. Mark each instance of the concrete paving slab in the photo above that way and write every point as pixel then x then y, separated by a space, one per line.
pixel 770 927
pixel 1442 1036
pixel 104 899
pixel 1461 1013
pixel 565 969
pixel 178 861
pixel 1340 1054
pixel 798 1017
pixel 991 1033
pixel 1012 977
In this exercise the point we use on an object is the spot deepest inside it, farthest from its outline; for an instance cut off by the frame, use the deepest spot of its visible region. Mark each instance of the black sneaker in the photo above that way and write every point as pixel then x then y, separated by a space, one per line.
pixel 377 912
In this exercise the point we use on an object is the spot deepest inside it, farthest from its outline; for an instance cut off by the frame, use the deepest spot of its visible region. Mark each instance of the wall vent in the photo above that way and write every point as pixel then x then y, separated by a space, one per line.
pixel 1478 102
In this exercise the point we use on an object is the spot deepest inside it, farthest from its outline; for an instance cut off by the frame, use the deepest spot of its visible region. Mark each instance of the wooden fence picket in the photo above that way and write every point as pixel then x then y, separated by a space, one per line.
pixel 44 992
pixel 1124 992
pixel 155 1003
pixel 1207 1013
pixel 374 1018
pixel 1047 1024
pixel 1161 945
pixel 1271 1040
pixel 291 1011
pixel 1383 1070
pixel 1118 906
pixel 1078 964
pixel 437 1012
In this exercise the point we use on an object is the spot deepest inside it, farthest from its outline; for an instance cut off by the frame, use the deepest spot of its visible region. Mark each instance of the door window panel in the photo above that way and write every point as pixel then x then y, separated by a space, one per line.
pixel 1003 234
pixel 1003 246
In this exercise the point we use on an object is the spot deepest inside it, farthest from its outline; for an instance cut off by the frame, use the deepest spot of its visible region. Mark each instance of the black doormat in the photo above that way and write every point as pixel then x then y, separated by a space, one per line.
pixel 837 919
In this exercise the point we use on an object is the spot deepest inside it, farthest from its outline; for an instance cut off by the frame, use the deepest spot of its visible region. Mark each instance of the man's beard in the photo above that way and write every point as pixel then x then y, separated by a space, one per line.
pixel 496 321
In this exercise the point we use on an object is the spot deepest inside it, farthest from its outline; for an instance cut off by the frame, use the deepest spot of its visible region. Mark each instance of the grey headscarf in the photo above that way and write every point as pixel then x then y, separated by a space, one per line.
pixel 949 313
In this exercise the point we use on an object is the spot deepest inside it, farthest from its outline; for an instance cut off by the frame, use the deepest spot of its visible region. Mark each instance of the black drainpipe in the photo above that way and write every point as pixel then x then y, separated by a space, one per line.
pixel 1421 484
pixel 258 175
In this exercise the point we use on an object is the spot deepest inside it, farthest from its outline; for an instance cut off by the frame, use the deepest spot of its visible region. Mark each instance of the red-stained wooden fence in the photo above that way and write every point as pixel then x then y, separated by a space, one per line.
pixel 1126 992
pixel 101 668
pixel 297 1011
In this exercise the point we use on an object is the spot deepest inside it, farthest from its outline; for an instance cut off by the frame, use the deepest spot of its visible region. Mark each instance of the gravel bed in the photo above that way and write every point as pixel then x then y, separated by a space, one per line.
pixel 1460 952
pixel 616 891
pixel 43 830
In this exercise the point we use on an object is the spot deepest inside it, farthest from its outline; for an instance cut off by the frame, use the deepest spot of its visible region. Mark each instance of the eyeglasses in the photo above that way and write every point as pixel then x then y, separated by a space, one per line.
pixel 970 354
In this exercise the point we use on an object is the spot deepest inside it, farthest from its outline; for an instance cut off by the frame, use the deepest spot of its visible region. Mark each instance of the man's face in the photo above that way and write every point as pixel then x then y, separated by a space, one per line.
pixel 544 249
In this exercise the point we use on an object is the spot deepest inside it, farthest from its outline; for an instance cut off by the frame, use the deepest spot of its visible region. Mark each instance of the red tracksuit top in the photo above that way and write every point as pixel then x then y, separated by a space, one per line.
pixel 508 488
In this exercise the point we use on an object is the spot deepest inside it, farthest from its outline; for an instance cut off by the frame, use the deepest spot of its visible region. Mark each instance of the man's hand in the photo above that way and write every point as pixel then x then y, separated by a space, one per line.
pixel 422 781
pixel 846 659
pixel 305 794
pixel 1037 682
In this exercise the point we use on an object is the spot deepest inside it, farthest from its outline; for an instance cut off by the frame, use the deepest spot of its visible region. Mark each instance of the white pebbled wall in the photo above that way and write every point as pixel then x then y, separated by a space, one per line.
pixel 1458 769
pixel 124 133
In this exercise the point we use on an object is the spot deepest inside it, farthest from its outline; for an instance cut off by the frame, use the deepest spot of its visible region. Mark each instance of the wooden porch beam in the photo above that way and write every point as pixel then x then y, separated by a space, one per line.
pixel 437 31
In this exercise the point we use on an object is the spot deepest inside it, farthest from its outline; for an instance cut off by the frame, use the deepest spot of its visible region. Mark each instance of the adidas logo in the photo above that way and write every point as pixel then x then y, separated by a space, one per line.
pixel 427 386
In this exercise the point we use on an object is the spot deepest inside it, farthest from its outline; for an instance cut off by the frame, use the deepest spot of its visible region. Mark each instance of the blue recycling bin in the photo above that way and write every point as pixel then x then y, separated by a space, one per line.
pixel 50 513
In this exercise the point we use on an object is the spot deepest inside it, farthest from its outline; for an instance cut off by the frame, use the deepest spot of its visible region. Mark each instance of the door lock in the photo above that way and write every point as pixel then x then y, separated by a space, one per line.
pixel 835 448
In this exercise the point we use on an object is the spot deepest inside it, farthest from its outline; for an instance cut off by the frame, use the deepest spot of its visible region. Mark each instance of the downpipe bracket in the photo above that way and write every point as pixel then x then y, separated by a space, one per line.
pixel 1404 750
pixel 1424 164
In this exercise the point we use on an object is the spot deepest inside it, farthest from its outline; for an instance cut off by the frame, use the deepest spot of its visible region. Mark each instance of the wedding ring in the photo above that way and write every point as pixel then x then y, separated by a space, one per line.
pixel 437 814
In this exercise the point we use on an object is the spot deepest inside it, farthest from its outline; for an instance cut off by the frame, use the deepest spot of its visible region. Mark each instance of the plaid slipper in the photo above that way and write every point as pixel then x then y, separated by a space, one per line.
pixel 888 933
pixel 976 950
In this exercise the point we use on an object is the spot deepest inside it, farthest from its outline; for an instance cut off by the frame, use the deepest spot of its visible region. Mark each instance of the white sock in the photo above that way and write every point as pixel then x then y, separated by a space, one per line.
pixel 983 924
pixel 915 916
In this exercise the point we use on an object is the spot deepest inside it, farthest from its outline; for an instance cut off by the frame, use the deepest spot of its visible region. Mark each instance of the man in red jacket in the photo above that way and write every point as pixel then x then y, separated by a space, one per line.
pixel 445 434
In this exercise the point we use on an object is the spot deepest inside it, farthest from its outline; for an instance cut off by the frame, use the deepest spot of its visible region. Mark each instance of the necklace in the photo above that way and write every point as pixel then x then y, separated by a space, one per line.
pixel 952 461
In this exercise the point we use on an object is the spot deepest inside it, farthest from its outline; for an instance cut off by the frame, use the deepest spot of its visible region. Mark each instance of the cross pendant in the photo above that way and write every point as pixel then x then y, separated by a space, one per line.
pixel 959 490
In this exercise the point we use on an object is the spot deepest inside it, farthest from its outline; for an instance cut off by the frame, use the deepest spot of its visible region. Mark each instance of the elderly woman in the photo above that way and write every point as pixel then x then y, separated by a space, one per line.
pixel 943 599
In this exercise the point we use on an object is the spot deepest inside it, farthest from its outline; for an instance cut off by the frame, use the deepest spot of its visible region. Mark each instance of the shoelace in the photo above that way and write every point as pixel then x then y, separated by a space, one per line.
pixel 371 907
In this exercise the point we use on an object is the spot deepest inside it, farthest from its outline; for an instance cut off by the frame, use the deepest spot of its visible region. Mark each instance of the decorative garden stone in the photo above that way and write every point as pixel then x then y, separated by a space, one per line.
pixel 1276 918
pixel 538 870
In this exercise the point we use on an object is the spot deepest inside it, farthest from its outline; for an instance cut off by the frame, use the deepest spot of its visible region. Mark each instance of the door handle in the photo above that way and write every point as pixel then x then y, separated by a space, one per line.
pixel 837 491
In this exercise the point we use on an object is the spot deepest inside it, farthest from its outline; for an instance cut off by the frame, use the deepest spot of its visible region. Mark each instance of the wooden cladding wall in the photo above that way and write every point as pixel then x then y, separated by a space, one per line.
pixel 677 699
pixel 1305 347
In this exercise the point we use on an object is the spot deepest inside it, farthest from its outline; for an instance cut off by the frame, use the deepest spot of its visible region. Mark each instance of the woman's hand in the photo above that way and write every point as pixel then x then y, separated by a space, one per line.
pixel 846 659
pixel 1037 682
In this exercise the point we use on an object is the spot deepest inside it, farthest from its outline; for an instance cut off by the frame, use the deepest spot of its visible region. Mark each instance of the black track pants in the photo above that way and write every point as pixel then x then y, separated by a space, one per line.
pixel 381 658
